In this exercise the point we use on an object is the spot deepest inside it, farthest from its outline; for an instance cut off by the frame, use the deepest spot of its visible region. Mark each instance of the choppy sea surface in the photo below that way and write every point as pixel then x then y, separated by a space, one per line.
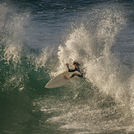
pixel 37 39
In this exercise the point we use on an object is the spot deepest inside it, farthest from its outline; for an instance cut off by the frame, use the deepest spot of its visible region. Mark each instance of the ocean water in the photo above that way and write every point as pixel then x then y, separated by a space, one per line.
pixel 37 39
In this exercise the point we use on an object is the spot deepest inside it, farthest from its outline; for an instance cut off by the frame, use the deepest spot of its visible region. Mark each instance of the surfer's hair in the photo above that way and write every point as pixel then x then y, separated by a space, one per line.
pixel 77 63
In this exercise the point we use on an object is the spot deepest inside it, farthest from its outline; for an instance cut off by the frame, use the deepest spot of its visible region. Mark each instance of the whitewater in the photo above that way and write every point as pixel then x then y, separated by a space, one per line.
pixel 37 39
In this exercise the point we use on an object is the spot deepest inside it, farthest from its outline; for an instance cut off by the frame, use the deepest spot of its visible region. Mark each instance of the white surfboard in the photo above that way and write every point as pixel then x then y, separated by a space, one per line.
pixel 59 80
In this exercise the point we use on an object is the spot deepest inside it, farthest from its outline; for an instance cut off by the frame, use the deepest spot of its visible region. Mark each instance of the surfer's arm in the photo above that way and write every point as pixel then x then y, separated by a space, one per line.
pixel 71 70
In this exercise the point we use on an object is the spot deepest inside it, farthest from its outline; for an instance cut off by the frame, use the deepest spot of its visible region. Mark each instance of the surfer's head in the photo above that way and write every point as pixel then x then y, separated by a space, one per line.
pixel 75 63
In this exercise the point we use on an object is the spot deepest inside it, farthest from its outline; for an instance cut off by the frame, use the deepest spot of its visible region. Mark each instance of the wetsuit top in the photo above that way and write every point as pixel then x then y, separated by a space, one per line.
pixel 75 74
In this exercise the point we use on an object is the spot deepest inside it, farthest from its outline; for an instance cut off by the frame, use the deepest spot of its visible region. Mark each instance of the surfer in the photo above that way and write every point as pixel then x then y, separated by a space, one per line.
pixel 77 68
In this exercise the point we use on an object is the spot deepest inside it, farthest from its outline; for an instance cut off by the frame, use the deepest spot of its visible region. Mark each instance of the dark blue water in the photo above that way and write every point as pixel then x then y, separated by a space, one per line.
pixel 37 39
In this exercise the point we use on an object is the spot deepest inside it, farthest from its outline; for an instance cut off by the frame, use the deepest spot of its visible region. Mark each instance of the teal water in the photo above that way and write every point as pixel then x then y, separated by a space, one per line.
pixel 37 39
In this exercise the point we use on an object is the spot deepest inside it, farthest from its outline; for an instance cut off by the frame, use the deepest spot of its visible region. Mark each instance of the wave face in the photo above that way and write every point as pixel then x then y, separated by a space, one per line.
pixel 37 38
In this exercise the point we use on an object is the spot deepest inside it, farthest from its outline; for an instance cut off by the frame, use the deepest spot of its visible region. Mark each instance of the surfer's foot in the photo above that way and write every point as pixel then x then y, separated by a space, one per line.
pixel 65 77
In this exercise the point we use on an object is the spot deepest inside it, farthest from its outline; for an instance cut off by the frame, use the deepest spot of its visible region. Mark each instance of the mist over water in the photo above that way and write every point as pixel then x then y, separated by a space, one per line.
pixel 36 44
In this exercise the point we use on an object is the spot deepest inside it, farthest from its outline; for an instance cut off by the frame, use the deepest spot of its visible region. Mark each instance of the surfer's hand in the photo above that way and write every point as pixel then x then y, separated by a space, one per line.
pixel 67 64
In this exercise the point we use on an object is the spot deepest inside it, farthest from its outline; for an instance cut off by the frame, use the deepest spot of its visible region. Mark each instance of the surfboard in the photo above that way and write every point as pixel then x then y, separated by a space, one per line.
pixel 59 80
